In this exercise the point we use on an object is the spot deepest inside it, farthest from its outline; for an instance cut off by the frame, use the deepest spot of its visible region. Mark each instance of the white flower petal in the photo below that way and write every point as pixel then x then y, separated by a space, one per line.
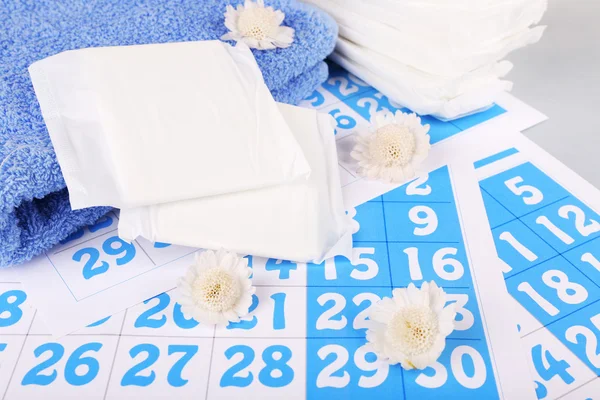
pixel 257 26
pixel 410 328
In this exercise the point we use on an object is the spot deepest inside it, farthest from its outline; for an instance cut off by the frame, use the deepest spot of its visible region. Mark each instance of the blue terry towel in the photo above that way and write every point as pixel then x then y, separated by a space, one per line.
pixel 34 208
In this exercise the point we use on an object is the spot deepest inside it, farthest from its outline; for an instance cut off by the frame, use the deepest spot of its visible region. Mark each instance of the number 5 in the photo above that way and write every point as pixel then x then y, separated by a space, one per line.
pixel 535 196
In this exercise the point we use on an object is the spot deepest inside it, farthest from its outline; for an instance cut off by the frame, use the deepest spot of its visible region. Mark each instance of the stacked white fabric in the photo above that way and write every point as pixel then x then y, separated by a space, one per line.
pixel 436 57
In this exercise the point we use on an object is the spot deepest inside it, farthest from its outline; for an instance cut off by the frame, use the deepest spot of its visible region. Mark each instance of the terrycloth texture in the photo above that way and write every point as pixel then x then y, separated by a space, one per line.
pixel 303 85
pixel 35 29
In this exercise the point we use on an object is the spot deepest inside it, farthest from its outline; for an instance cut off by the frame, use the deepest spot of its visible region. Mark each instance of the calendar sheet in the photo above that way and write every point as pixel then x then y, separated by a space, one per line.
pixel 305 337
pixel 546 226
pixel 351 102
pixel 93 273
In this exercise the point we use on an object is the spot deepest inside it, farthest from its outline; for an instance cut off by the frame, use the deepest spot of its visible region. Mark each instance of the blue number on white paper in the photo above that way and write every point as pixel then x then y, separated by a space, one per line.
pixel 35 377
pixel 266 376
pixel 250 323
pixel 9 304
pixel 284 267
pixel 147 320
pixel 161 245
pixel 230 377
pixel 76 360
pixel 316 99
pixel 133 377
pixel 343 121
pixel 278 314
pixel 91 269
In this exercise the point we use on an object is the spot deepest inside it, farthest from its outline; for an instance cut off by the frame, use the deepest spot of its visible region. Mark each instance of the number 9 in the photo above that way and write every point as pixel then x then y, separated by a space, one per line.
pixel 430 220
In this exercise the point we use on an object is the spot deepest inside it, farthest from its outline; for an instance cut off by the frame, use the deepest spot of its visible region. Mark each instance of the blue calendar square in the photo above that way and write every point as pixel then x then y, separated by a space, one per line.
pixel 475 119
pixel 434 187
pixel 523 189
pixel 369 217
pixel 519 247
pixel 580 332
pixel 369 267
pixel 586 258
pixel 565 224
pixel 341 311
pixel 552 289
pixel 423 222
pixel 444 263
pixel 467 324
pixel 344 85
pixel 347 369
pixel 497 214
pixel 439 130
pixel 462 371
pixel 369 103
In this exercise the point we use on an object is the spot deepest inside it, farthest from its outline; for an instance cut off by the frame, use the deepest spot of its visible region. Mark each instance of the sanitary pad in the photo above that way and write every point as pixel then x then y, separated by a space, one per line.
pixel 141 125
pixel 434 56
pixel 31 220
pixel 302 221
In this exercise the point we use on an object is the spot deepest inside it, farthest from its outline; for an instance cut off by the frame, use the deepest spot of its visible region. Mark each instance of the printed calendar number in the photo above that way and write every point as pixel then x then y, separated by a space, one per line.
pixel 341 311
pixel 523 189
pixel 548 367
pixel 135 377
pixel 316 99
pixel 529 194
pixel 579 334
pixel 36 375
pixel 10 307
pixel 278 301
pixel 340 358
pixel 151 319
pixel 584 225
pixel 369 106
pixel 446 264
pixel 552 289
pixel 368 267
pixel 276 372
pixel 564 224
pixel 430 189
pixel 463 368
pixel 519 247
pixel 348 368
pixel 419 187
pixel 113 246
pixel 425 222
pixel 344 121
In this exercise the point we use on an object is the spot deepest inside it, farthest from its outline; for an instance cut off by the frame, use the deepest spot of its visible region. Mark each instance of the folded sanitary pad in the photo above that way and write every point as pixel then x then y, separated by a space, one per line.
pixel 434 56
pixel 148 124
pixel 32 30
pixel 302 221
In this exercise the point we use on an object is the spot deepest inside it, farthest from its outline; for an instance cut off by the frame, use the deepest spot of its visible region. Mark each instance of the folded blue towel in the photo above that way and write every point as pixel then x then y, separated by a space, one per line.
pixel 34 208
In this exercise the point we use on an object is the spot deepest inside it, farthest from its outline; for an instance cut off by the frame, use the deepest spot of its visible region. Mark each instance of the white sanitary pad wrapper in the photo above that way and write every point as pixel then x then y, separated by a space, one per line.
pixel 444 98
pixel 435 57
pixel 301 221
pixel 468 35
pixel 141 125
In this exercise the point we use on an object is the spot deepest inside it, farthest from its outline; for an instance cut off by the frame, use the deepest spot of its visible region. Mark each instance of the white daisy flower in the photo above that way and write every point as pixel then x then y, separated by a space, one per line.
pixel 411 327
pixel 217 288
pixel 257 26
pixel 392 148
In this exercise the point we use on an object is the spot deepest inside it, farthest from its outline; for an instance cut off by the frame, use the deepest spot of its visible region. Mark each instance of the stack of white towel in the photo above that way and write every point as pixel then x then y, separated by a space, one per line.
pixel 437 57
